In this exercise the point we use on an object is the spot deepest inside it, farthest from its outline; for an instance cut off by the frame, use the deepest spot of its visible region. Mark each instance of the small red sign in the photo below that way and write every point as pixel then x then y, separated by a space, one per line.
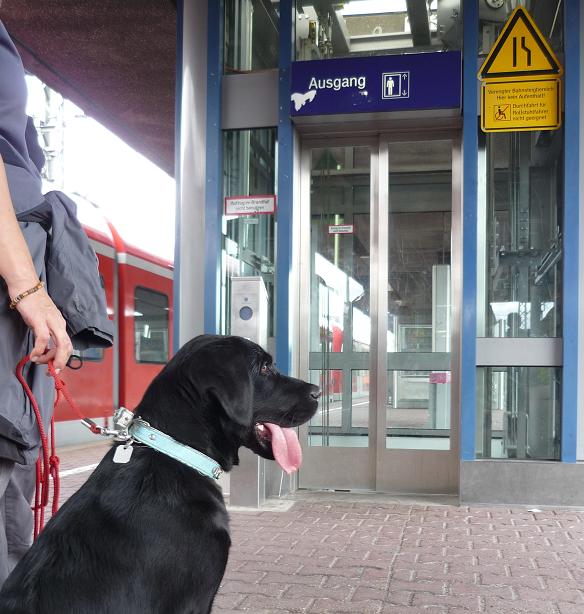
pixel 440 377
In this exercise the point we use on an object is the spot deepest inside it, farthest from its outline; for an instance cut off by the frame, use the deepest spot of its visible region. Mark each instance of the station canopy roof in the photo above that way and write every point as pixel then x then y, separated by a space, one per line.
pixel 114 59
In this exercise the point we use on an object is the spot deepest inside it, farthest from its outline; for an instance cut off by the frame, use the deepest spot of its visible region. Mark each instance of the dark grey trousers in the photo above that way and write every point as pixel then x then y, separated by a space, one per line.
pixel 6 469
pixel 17 483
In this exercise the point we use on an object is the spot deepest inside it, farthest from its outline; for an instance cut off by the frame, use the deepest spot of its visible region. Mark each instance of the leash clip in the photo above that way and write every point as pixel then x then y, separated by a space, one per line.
pixel 123 418
pixel 97 429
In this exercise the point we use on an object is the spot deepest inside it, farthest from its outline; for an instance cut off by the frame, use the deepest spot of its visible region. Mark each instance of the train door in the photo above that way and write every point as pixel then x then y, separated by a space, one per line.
pixel 380 299
pixel 145 329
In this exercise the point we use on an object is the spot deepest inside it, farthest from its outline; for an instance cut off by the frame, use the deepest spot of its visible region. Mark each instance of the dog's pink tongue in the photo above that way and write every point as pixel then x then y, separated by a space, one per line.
pixel 286 447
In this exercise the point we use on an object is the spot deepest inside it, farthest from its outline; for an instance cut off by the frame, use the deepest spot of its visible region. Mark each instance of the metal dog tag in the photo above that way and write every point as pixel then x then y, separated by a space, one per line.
pixel 123 454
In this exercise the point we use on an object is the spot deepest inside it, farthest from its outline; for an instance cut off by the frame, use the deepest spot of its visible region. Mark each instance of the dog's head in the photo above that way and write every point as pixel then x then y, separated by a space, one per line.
pixel 226 392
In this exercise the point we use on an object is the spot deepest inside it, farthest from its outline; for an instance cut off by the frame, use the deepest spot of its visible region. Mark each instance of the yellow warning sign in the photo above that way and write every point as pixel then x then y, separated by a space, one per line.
pixel 521 50
pixel 522 105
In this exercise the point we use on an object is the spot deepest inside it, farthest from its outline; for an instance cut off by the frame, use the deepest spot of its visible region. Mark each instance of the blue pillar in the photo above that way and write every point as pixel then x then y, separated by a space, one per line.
pixel 570 285
pixel 214 176
pixel 285 191
pixel 468 374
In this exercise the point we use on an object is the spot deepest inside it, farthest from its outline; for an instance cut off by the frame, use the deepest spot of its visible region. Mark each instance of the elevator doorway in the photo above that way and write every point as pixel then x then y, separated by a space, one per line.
pixel 379 311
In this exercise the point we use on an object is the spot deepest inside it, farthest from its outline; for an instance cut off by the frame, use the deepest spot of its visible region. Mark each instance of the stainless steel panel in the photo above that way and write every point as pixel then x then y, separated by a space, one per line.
pixel 336 468
pixel 374 122
pixel 419 361
pixel 249 100
pixel 340 360
pixel 418 471
pixel 456 299
pixel 516 482
pixel 190 215
pixel 247 480
pixel 303 170
pixel 532 352
pixel 379 312
pixel 580 340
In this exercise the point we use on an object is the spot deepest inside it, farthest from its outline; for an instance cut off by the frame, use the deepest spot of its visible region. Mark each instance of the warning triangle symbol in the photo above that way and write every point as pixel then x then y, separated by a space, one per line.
pixel 521 50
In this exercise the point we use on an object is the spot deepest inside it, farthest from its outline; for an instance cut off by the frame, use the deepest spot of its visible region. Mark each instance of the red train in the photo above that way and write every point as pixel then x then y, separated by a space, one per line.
pixel 138 288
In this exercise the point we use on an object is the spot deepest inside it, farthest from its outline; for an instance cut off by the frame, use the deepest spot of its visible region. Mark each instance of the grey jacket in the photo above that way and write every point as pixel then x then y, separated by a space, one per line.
pixel 72 272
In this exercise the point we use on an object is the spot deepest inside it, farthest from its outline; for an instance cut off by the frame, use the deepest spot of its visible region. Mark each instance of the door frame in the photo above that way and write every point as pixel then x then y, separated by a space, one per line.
pixel 375 467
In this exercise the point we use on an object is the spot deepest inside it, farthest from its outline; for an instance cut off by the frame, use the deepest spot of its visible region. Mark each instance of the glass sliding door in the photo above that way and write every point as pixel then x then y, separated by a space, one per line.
pixel 337 184
pixel 340 327
pixel 378 285
pixel 419 297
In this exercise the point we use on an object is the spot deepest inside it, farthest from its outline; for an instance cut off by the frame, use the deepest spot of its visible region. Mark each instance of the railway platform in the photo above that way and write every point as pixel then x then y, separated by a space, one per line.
pixel 379 554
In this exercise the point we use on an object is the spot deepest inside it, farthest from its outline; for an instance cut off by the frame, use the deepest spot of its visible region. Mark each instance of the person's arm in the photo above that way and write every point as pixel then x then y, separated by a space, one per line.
pixel 17 269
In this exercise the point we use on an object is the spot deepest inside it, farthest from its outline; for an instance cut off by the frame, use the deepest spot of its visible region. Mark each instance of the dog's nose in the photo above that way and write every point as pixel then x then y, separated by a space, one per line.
pixel 315 394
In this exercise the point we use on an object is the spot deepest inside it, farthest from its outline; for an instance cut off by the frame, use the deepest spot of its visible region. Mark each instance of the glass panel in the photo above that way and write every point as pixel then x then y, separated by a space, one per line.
pixel 340 320
pixel 340 185
pixel 419 302
pixel 420 203
pixel 150 326
pixel 342 418
pixel 249 167
pixel 360 399
pixel 523 264
pixel 418 410
pixel 251 35
pixel 518 412
pixel 329 29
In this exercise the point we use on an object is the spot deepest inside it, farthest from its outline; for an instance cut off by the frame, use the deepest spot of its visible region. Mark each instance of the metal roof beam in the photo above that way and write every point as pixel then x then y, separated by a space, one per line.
pixel 419 22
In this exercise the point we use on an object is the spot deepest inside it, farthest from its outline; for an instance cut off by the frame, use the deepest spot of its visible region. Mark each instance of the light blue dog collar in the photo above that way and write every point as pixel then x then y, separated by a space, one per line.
pixel 142 432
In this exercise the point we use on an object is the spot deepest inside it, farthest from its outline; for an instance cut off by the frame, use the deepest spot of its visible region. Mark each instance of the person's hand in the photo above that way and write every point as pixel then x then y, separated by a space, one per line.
pixel 46 322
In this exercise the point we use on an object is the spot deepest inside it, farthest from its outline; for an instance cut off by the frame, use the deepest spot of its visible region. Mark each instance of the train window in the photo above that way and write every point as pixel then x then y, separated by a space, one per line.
pixel 150 326
pixel 92 354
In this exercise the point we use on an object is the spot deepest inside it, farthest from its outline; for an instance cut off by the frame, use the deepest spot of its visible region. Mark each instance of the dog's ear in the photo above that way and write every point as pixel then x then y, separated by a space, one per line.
pixel 233 390
pixel 219 368
pixel 223 373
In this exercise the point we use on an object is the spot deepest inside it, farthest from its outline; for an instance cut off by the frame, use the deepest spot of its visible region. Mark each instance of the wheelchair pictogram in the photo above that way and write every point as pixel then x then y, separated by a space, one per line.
pixel 502 112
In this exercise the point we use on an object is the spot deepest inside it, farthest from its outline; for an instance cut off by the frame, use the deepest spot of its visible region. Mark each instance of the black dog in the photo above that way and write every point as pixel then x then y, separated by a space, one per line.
pixel 151 536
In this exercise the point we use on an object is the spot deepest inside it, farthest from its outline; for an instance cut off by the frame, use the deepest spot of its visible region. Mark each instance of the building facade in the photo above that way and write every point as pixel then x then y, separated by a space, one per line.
pixel 425 273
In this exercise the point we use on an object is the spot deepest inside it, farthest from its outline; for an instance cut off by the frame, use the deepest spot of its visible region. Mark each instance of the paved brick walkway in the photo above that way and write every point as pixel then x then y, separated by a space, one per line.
pixel 361 555
pixel 372 554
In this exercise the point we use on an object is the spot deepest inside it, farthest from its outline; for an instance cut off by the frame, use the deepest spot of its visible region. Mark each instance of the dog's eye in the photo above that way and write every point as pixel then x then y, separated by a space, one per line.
pixel 265 369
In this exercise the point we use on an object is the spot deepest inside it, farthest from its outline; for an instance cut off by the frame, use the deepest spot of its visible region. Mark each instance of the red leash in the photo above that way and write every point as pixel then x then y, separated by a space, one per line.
pixel 47 463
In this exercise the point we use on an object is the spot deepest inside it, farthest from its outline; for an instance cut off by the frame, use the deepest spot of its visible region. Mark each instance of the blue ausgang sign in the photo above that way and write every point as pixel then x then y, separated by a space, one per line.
pixel 378 83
